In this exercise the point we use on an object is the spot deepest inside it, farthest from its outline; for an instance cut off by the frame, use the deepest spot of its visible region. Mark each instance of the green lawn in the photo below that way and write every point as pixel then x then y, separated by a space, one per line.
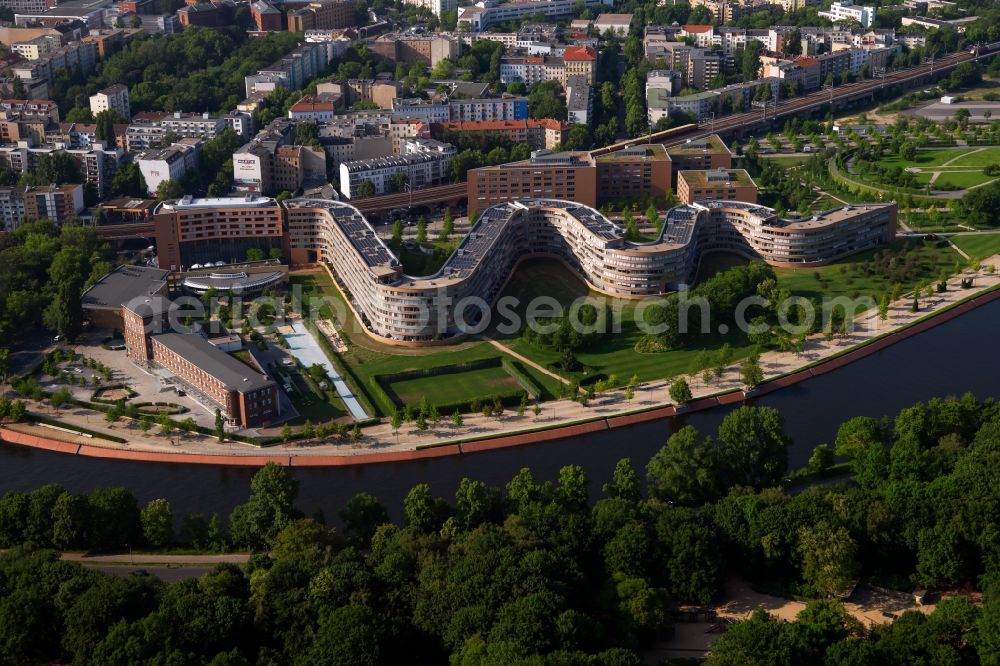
pixel 453 387
pixel 979 158
pixel 962 179
pixel 844 277
pixel 417 262
pixel 367 358
pixel 786 162
pixel 981 246
pixel 924 158
pixel 615 354
pixel 309 402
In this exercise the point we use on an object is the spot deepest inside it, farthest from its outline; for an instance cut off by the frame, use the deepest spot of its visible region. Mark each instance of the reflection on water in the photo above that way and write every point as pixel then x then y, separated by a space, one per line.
pixel 953 358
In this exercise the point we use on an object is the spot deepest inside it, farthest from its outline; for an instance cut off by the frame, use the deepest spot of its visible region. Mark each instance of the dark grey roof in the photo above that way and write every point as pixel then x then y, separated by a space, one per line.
pixel 122 285
pixel 233 373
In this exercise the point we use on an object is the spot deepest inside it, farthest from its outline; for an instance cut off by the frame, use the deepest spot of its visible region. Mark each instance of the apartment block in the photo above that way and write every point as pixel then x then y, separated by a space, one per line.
pixel 424 162
pixel 563 175
pixel 330 15
pixel 170 163
pixel 539 134
pixel 429 48
pixel 112 98
pixel 412 311
pixel 57 203
pixel 633 172
pixel 435 6
pixel 700 155
pixel 293 71
pixel 725 184
pixel 479 17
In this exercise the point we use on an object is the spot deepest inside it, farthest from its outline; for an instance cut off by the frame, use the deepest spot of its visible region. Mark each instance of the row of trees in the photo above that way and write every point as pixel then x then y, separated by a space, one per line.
pixel 542 571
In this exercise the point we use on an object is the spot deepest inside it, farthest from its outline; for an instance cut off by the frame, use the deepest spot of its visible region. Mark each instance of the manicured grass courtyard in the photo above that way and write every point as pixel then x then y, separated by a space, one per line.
pixel 980 246
pixel 976 157
pixel 454 387
pixel 924 158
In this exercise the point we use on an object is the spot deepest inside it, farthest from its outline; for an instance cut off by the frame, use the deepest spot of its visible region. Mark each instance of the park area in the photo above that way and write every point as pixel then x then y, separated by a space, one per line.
pixel 945 169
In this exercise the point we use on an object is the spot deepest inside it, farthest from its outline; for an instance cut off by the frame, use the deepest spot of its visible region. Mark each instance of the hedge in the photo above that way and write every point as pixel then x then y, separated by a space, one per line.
pixel 513 369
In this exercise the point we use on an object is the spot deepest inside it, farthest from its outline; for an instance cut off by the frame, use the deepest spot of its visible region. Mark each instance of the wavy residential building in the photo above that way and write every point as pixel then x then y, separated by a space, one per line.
pixel 415 310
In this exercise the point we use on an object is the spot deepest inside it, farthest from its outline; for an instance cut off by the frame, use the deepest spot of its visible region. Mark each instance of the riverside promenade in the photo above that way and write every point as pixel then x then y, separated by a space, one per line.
pixel 558 419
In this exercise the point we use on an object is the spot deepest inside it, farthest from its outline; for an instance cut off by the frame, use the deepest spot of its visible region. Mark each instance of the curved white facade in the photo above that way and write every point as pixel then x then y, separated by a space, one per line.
pixel 422 309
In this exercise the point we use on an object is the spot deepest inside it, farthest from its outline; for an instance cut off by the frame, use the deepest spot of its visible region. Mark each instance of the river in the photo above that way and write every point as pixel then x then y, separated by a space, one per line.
pixel 958 356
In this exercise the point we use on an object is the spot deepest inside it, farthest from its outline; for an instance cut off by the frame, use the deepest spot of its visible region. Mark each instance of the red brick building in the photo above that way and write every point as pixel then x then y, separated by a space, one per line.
pixel 244 396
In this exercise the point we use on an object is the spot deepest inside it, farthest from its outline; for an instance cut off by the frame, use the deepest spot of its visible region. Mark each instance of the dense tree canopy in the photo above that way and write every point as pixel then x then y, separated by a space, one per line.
pixel 542 571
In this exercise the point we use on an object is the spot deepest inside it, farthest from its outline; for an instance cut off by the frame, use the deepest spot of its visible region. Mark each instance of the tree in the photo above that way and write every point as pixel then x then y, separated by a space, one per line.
pixel 366 188
pixel 114 519
pixel 397 232
pixel 421 230
pixel 751 373
pixel 424 512
pixel 220 426
pixel 685 470
pixel 448 227
pixel 169 190
pixel 624 482
pixel 157 523
pixel 753 446
pixel 828 558
pixel 69 521
pixel 17 87
pixel 680 392
pixel 270 507
pixel 456 419
pixel 751 61
pixel 362 516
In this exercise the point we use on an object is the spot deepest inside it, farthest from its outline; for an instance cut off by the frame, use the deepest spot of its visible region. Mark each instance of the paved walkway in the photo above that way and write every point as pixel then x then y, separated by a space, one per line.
pixel 157 558
pixel 380 438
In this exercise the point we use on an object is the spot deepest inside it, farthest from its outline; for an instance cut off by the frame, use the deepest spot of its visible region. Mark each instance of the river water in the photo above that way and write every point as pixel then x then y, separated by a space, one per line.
pixel 958 356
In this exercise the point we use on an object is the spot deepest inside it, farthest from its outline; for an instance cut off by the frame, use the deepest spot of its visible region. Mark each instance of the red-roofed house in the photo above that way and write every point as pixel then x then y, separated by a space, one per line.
pixel 313 108
pixel 579 61
pixel 703 35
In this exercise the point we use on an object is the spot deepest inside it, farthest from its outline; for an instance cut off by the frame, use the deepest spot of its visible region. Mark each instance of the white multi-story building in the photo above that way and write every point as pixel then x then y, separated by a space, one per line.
pixel 846 11
pixel 436 6
pixel 294 70
pixel 36 48
pixel 170 163
pixel 112 98
pixel 486 13
pixel 429 110
pixel 424 162
pixel 504 108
